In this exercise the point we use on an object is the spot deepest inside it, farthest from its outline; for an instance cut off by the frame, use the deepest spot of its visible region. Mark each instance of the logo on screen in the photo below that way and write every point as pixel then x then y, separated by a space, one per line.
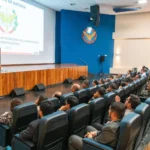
pixel 89 35
pixel 8 20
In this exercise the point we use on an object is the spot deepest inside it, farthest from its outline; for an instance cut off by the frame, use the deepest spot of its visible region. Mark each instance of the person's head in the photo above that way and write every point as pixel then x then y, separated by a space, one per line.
pixel 57 94
pixel 116 111
pixel 111 87
pixel 101 81
pixel 129 72
pixel 71 102
pixel 129 80
pixel 148 86
pixel 95 82
pixel 75 87
pixel 15 102
pixel 85 84
pixel 99 93
pixel 123 84
pixel 111 77
pixel 132 101
pixel 40 99
pixel 46 108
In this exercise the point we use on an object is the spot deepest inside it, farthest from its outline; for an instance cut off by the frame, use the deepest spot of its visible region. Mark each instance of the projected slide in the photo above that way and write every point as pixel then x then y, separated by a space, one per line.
pixel 21 28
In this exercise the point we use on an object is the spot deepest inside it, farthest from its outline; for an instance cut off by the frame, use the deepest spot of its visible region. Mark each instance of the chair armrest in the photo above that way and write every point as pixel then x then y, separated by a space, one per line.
pixel 5 132
pixel 90 144
pixel 18 144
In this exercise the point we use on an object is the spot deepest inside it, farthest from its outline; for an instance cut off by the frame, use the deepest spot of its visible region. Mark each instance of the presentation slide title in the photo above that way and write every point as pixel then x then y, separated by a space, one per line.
pixel 15 3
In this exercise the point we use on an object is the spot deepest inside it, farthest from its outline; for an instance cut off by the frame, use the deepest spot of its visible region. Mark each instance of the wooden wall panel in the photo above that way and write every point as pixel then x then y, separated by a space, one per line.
pixel 27 79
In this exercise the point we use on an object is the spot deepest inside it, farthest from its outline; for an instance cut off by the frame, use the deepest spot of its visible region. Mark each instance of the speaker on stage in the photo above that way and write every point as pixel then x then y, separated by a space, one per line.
pixel 82 78
pixel 39 87
pixel 102 58
pixel 17 92
pixel 68 81
pixel 95 14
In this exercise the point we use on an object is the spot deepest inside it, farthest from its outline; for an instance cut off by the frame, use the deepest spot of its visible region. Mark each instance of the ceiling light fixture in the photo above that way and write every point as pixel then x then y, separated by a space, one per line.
pixel 142 1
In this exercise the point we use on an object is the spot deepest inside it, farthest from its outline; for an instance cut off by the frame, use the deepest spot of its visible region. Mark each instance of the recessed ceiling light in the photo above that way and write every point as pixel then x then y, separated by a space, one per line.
pixel 142 1
pixel 73 4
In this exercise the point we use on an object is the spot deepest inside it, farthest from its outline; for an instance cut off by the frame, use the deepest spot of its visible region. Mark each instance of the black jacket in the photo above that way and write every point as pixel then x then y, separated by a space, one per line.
pixel 32 131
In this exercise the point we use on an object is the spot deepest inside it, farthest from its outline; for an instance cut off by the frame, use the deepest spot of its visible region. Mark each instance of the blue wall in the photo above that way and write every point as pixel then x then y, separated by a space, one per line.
pixel 74 48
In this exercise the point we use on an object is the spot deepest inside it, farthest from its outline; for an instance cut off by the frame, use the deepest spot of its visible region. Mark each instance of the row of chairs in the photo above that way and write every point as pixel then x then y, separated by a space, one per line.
pixel 56 128
pixel 24 114
pixel 132 129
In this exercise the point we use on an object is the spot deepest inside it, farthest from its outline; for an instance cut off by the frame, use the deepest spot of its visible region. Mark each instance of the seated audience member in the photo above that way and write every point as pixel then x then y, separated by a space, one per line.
pixel 31 133
pixel 101 81
pixel 129 73
pixel 99 93
pixel 143 73
pixel 40 99
pixel 146 92
pixel 112 87
pixel 137 76
pixel 75 87
pixel 85 84
pixel 70 102
pixel 7 117
pixel 111 77
pixel 131 103
pixel 57 95
pixel 118 76
pixel 146 68
pixel 123 84
pixel 95 83
pixel 108 134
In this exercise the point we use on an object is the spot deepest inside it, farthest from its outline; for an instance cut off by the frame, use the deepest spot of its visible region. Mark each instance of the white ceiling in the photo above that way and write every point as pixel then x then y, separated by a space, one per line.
pixel 106 6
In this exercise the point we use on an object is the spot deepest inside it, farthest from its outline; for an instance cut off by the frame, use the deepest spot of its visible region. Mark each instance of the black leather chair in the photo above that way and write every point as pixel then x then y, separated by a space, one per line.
pixel 63 98
pixel 127 91
pixel 143 110
pixel 109 98
pixel 56 103
pixel 107 84
pixel 118 81
pixel 91 91
pixel 22 116
pixel 53 131
pixel 129 130
pixel 82 96
pixel 97 109
pixel 132 88
pixel 78 118
pixel 120 93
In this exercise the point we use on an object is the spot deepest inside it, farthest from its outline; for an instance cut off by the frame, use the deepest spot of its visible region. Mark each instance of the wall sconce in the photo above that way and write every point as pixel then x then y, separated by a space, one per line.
pixel 117 54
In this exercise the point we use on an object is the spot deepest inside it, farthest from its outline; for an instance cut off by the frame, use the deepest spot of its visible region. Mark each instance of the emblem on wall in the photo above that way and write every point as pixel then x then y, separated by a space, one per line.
pixel 89 35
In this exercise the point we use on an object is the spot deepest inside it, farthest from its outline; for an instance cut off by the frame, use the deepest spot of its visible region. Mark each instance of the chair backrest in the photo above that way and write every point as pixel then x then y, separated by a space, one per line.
pixel 129 130
pixel 143 110
pixel 91 91
pixel 64 97
pixel 53 131
pixel 78 117
pixel 107 84
pixel 109 98
pixel 132 87
pixel 97 109
pixel 82 96
pixel 148 101
pixel 56 103
pixel 127 90
pixel 23 115
pixel 120 93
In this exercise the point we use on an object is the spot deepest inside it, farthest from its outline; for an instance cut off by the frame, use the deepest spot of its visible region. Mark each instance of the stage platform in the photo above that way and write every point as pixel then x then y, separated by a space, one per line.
pixel 27 76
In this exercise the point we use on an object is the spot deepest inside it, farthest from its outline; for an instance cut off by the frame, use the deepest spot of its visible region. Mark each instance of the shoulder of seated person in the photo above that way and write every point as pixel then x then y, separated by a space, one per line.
pixel 35 122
